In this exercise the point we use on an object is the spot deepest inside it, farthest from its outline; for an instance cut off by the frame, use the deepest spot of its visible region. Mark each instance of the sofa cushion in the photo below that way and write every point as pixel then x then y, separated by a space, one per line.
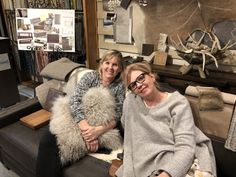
pixel 212 122
pixel 60 69
pixel 19 149
pixel 15 112
pixel 20 144
pixel 87 167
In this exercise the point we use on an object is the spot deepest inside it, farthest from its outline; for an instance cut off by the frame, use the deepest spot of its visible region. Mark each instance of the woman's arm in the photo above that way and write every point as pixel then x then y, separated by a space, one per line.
pixel 86 82
pixel 119 93
pixel 91 133
pixel 183 128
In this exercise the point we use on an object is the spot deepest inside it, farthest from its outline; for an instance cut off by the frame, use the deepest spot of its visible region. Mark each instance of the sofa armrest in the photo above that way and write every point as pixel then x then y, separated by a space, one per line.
pixel 225 159
pixel 15 112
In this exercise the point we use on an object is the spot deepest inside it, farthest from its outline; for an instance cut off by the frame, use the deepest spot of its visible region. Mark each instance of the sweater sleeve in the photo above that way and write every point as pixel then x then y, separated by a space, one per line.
pixel 119 97
pixel 124 112
pixel 182 125
pixel 76 99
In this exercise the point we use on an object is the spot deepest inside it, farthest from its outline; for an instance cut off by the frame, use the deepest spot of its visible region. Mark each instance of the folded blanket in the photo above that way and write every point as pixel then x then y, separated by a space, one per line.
pixel 227 97
pixel 60 69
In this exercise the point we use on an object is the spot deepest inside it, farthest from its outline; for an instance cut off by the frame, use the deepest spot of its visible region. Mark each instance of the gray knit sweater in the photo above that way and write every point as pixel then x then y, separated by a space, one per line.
pixel 162 138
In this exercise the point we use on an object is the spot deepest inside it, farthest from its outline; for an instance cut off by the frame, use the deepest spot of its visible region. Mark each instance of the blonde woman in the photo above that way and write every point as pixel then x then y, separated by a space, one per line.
pixel 107 75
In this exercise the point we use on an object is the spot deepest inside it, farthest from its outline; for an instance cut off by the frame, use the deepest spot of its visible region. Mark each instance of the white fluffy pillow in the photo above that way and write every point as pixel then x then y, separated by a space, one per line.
pixel 74 79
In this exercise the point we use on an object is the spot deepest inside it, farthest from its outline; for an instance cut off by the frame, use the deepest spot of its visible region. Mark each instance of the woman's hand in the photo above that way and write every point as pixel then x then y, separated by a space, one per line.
pixel 91 133
pixel 92 146
pixel 90 138
pixel 83 125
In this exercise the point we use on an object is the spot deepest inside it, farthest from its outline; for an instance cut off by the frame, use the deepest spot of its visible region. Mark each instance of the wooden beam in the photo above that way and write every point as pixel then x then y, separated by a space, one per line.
pixel 90 28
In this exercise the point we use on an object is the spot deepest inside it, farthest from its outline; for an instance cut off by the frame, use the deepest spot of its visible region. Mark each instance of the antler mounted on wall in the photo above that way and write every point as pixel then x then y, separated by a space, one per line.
pixel 175 17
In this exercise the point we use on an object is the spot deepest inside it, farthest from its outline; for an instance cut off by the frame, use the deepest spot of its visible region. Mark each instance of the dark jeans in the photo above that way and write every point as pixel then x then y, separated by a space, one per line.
pixel 48 160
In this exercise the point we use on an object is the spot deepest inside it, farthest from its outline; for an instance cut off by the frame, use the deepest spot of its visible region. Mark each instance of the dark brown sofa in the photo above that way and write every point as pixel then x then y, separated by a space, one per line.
pixel 19 147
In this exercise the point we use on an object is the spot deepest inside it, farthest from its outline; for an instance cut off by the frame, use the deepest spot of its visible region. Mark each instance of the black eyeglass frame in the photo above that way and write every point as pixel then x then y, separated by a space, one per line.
pixel 133 85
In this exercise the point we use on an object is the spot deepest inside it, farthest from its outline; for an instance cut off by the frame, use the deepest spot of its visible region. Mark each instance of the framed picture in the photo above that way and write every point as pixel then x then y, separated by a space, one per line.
pixel 47 28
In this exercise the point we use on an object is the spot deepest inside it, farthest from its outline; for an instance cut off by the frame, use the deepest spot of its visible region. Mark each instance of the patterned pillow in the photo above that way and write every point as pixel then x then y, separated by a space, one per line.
pixel 42 90
pixel 52 95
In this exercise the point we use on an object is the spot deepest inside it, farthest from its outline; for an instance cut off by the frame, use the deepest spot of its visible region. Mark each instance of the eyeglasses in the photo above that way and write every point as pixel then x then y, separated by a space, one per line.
pixel 140 79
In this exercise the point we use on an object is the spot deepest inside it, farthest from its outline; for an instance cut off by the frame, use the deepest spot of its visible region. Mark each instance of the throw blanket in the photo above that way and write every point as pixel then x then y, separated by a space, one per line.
pixel 231 139
pixel 60 69
pixel 99 108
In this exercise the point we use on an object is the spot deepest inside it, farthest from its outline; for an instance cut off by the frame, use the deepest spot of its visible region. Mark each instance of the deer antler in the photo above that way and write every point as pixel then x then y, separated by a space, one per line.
pixel 181 43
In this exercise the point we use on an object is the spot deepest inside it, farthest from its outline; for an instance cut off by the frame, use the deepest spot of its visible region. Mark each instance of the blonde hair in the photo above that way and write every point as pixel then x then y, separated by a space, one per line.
pixel 143 66
pixel 109 55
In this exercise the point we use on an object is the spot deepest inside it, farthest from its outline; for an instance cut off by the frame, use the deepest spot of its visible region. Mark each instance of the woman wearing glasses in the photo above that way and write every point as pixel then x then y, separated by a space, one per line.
pixel 160 136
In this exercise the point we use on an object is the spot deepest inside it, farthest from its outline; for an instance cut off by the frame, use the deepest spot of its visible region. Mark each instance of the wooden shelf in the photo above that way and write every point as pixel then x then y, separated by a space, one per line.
pixel 108 30
pixel 225 81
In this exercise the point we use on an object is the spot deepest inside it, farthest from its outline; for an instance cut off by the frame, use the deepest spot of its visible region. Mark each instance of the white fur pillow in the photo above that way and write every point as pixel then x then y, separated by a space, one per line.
pixel 99 106
pixel 75 77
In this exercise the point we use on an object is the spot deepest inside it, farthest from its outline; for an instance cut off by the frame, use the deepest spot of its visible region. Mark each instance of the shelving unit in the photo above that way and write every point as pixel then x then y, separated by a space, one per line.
pixel 9 94
pixel 170 74
pixel 108 30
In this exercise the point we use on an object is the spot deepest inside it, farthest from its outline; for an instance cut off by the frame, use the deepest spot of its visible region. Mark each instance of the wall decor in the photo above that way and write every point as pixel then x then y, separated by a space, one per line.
pixel 46 3
pixel 50 29
pixel 110 5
